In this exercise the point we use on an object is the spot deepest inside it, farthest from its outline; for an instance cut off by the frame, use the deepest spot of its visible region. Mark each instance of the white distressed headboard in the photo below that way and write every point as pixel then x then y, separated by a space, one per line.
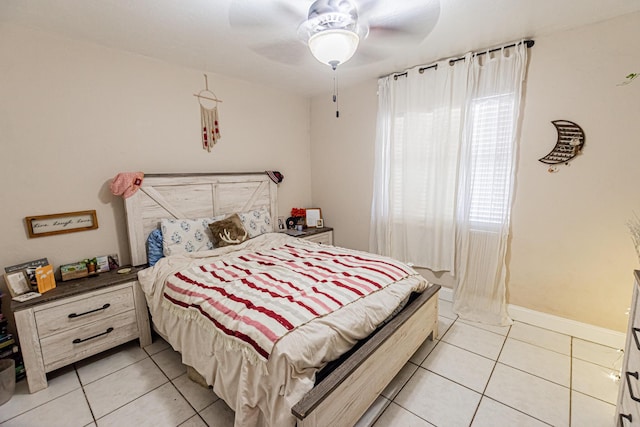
pixel 195 195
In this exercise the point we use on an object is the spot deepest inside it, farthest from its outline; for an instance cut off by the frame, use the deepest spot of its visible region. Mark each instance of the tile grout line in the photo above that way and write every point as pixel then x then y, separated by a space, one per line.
pixel 495 363
pixel 113 372
pixel 84 393
pixel 518 410
pixel 176 388
pixel 393 400
pixel 484 395
pixel 143 394
pixel 131 401
pixel 169 380
pixel 189 403
pixel 43 403
pixel 37 406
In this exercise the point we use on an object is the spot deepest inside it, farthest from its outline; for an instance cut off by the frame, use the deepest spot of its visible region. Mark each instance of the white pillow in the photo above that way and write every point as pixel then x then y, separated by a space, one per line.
pixel 187 235
pixel 256 222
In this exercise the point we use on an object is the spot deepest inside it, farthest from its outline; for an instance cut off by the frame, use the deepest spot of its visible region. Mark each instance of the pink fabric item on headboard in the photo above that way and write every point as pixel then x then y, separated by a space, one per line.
pixel 125 184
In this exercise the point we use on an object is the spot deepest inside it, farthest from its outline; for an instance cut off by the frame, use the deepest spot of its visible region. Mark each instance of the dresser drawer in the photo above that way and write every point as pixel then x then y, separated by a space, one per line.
pixel 325 238
pixel 628 413
pixel 74 344
pixel 81 311
pixel 628 405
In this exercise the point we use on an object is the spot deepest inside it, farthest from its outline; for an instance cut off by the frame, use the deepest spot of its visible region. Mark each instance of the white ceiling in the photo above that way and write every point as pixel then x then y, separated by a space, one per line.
pixel 198 33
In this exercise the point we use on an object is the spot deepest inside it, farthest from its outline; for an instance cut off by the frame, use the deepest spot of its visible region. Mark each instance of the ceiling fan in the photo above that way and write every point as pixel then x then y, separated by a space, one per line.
pixel 285 30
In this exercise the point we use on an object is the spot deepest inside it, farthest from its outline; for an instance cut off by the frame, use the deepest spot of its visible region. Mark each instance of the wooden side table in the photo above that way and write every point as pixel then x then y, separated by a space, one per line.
pixel 78 319
pixel 318 235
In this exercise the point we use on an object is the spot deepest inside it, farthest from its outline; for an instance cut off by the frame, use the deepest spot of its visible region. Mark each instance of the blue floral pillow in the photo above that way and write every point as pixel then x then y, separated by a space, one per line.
pixel 154 247
pixel 187 235
pixel 256 222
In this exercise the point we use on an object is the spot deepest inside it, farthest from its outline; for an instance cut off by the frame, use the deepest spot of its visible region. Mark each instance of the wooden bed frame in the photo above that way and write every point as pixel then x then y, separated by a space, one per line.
pixel 345 394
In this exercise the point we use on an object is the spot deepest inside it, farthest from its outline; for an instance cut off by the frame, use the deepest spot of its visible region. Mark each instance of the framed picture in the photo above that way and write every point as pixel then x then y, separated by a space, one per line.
pixel 320 223
pixel 17 282
pixel 47 225
pixel 29 268
pixel 114 262
pixel 313 215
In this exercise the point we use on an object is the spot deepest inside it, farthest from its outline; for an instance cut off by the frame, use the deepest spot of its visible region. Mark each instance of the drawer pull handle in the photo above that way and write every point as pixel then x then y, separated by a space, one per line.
pixel 635 337
pixel 78 340
pixel 634 375
pixel 104 307
pixel 627 417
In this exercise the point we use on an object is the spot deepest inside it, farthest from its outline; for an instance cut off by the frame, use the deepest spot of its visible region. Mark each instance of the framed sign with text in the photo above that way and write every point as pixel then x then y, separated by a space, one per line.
pixel 47 225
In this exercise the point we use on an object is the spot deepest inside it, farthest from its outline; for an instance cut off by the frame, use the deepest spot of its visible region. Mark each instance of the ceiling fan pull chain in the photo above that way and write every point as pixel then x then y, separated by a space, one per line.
pixel 335 91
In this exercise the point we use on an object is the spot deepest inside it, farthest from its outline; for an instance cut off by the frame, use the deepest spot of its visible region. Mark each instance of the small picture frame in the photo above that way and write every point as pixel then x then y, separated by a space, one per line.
pixel 320 223
pixel 114 262
pixel 312 216
pixel 17 282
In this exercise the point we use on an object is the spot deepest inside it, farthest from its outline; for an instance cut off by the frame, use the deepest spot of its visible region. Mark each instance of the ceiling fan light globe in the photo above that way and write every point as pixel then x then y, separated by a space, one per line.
pixel 333 47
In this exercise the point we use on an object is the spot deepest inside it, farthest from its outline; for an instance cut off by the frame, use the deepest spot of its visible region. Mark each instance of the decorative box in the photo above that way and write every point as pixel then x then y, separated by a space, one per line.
pixel 74 271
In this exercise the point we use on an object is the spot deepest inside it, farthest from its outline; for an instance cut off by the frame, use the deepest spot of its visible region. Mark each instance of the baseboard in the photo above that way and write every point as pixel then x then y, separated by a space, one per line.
pixel 565 326
pixel 446 294
pixel 559 324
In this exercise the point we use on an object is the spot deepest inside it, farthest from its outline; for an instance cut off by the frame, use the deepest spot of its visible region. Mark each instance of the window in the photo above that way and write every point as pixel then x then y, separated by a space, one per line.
pixel 491 154
pixel 491 147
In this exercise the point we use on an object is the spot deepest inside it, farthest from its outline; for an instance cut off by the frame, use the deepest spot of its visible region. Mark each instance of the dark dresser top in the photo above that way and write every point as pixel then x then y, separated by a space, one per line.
pixel 79 286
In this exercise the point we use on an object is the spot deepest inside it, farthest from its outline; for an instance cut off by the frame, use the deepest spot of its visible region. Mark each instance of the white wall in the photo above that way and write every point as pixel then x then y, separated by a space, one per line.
pixel 570 253
pixel 342 162
pixel 73 115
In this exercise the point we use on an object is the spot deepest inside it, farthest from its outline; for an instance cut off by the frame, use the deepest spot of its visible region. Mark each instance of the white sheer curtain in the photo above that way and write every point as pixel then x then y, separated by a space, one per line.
pixel 444 172
pixel 486 179
pixel 417 144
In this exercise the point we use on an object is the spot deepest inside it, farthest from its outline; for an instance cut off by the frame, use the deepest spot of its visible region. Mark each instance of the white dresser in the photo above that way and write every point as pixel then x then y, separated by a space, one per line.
pixel 78 319
pixel 628 409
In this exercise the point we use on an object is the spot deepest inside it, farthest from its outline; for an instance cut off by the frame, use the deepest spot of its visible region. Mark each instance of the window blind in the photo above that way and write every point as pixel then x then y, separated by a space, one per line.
pixel 491 151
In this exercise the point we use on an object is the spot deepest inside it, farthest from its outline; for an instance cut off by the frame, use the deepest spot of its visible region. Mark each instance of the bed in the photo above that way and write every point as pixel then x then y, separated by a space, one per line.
pixel 270 379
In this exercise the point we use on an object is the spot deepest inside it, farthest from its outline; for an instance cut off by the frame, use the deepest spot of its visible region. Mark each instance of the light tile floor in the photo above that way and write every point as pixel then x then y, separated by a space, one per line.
pixel 472 375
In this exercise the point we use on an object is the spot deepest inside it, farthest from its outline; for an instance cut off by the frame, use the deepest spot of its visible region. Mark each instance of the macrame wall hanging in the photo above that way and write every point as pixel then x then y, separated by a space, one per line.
pixel 209 121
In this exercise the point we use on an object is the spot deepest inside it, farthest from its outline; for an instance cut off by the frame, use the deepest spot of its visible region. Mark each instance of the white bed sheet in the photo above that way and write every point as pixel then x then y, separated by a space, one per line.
pixel 263 394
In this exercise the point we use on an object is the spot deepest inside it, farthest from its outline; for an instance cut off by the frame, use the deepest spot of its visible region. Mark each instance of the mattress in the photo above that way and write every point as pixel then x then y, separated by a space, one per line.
pixel 261 390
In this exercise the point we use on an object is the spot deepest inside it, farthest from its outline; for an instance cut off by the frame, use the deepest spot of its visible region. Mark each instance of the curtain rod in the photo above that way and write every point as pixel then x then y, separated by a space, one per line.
pixel 528 43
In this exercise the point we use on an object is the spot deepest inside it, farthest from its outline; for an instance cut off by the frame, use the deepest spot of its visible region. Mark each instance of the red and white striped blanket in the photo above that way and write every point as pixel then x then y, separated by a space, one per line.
pixel 256 297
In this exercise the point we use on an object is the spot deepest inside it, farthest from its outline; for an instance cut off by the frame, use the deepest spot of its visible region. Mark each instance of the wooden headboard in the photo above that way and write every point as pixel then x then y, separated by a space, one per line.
pixel 196 195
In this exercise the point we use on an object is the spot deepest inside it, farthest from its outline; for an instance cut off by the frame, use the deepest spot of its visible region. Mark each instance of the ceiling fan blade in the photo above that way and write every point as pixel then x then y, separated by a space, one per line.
pixel 290 52
pixel 256 14
pixel 366 6
pixel 367 55
pixel 411 20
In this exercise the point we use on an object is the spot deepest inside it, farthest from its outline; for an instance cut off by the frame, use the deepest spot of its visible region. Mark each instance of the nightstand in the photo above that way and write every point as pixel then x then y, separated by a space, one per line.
pixel 318 235
pixel 78 319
